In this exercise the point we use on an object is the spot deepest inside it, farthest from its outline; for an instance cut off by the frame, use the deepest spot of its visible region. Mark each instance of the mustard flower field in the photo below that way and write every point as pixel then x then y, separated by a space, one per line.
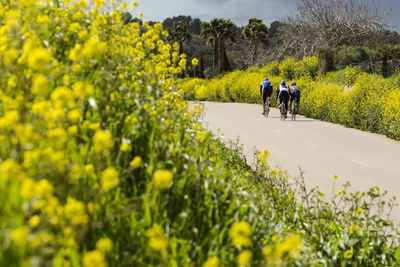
pixel 102 163
pixel 348 97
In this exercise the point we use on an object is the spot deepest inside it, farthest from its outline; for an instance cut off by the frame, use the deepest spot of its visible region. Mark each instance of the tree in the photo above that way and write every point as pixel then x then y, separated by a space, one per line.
pixel 330 23
pixel 256 33
pixel 126 17
pixel 386 54
pixel 179 33
pixel 217 31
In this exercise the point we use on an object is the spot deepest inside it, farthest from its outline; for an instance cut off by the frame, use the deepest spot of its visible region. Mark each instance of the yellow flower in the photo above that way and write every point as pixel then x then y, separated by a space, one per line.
pixel 340 192
pixel 102 141
pixel 73 130
pixel 12 81
pixel 20 235
pixel 27 190
pixel 244 258
pixel 75 211
pixel 10 170
pixel 39 59
pixel 353 228
pixel 43 188
pixel 162 179
pixel 125 147
pixel 40 85
pixel 136 162
pixel 156 237
pixel 93 47
pixel 348 254
pixel 263 156
pixel 109 178
pixel 104 245
pixel 335 177
pixel 359 210
pixel 240 234
pixel 212 262
pixel 8 121
pixel 195 61
pixel 74 115
pixel 34 221
pixel 291 245
pixel 94 258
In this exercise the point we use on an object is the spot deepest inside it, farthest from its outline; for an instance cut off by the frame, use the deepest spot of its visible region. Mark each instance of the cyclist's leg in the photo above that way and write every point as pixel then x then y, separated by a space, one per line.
pixel 298 103
pixel 264 99
pixel 286 100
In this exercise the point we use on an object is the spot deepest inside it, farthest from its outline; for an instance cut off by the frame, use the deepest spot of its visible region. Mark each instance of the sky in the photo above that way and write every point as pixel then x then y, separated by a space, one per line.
pixel 239 11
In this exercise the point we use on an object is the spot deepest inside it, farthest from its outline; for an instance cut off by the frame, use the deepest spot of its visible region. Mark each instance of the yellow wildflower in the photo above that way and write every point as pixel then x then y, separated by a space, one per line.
pixel 75 211
pixel 240 234
pixel 156 237
pixel 109 178
pixel 263 156
pixel 102 141
pixel 195 61
pixel 162 179
pixel 354 228
pixel 340 192
pixel 136 162
pixel 104 245
pixel 125 147
pixel 212 262
pixel 94 258
pixel 34 221
pixel 245 257
pixel 93 47
pixel 43 188
pixel 27 190
pixel 39 59
pixel 20 235
pixel 348 254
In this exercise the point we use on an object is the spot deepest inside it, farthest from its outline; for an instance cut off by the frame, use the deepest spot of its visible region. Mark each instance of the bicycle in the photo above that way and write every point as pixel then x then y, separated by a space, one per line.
pixel 266 113
pixel 294 110
pixel 283 111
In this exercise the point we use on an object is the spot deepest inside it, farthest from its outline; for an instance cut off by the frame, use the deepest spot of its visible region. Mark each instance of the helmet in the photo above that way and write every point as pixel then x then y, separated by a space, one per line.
pixel 266 79
pixel 293 83
pixel 283 82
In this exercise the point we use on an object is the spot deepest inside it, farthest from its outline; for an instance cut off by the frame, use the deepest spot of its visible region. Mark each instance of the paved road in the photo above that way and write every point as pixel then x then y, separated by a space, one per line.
pixel 319 148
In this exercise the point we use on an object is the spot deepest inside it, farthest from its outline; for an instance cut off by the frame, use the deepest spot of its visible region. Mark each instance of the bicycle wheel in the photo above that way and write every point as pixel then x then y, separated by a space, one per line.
pixel 294 110
pixel 266 108
pixel 283 111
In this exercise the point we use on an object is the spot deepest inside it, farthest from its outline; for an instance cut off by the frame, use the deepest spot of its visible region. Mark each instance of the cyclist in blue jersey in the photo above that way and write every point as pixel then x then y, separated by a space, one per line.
pixel 265 91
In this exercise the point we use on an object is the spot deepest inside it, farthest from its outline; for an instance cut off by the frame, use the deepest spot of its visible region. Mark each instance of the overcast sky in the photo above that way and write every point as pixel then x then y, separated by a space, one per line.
pixel 239 11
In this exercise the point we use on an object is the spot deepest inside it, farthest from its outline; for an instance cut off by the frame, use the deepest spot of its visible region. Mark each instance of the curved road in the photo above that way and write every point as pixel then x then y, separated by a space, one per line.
pixel 319 148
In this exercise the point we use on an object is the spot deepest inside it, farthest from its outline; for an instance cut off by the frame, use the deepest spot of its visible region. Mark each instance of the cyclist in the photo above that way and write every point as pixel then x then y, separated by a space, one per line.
pixel 294 93
pixel 265 91
pixel 282 92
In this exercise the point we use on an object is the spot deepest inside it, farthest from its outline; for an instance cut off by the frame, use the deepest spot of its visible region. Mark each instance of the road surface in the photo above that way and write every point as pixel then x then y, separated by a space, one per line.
pixel 320 149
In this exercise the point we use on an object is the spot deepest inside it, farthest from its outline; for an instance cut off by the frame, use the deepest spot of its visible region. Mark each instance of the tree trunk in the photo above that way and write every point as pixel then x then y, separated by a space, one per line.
pixel 216 54
pixel 385 68
pixel 255 52
pixel 180 48
pixel 224 62
pixel 201 63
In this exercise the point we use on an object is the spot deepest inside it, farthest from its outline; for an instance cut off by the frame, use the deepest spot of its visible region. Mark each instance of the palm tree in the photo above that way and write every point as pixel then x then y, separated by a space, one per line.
pixel 217 31
pixel 179 33
pixel 256 33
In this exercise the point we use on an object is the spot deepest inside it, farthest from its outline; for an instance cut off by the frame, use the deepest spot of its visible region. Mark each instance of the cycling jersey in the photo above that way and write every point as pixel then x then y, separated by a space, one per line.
pixel 294 91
